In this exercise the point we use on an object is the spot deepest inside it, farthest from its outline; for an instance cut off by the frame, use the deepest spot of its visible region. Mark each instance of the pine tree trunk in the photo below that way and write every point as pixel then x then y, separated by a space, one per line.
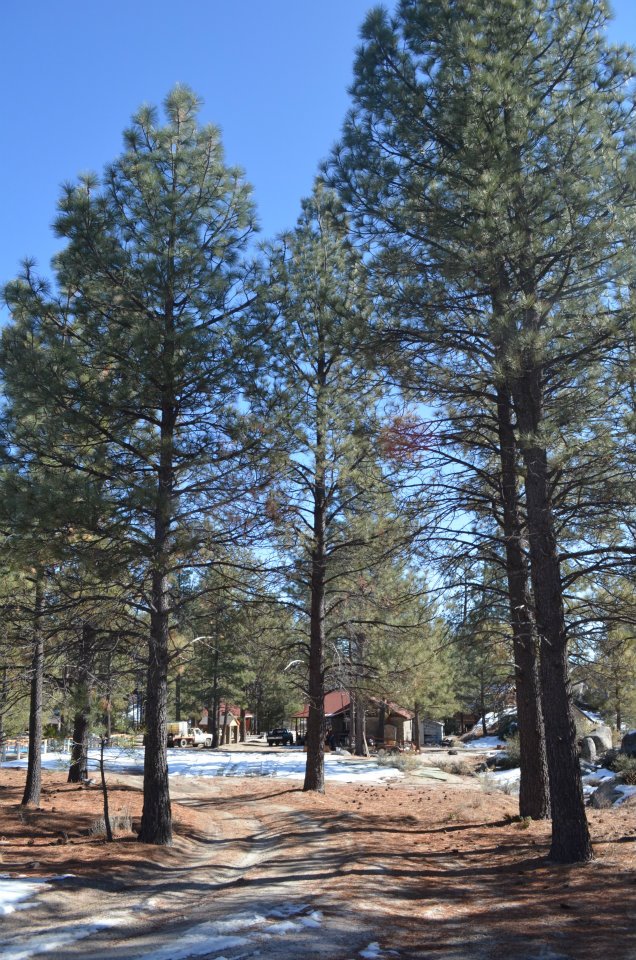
pixel 81 722
pixel 243 727
pixel 215 700
pixel 482 704
pixel 534 794
pixel 79 750
pixel 102 773
pixel 362 748
pixel 177 696
pixel 315 768
pixel 416 728
pixel 108 716
pixel 156 817
pixel 33 786
pixel 353 721
pixel 570 835
pixel 224 728
pixel 4 688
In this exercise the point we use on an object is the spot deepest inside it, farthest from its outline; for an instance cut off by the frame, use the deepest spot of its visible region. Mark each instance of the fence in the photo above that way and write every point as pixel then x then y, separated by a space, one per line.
pixel 17 748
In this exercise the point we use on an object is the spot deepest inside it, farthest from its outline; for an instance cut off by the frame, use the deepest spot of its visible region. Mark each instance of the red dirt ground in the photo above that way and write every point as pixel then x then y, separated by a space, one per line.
pixel 434 866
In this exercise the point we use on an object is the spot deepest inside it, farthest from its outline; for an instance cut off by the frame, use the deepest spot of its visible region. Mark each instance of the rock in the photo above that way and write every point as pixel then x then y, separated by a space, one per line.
pixel 453 753
pixel 608 758
pixel 588 749
pixel 602 737
pixel 628 744
pixel 607 794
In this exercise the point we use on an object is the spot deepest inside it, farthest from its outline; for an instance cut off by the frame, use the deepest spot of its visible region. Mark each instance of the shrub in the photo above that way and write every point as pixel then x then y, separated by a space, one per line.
pixel 402 761
pixel 119 823
pixel 510 758
pixel 490 784
pixel 458 767
pixel 626 766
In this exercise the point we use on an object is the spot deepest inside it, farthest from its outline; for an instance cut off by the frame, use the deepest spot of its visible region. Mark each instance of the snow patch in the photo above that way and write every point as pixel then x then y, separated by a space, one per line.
pixel 55 941
pixel 16 892
pixel 240 931
pixel 626 791
pixel 485 743
pixel 224 763
pixel 372 952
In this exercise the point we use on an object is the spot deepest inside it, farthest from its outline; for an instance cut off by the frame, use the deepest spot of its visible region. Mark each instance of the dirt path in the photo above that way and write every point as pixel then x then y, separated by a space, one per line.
pixel 234 885
pixel 420 869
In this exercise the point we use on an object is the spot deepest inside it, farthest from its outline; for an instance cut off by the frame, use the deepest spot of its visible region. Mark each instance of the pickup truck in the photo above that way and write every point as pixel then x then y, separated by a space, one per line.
pixel 279 736
pixel 181 735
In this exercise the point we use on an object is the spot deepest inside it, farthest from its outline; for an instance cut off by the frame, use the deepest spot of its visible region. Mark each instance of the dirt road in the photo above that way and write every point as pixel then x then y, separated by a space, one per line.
pixel 422 869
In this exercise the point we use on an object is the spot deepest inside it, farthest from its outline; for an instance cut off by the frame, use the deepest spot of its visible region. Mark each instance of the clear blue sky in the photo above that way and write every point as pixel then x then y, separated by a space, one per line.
pixel 273 75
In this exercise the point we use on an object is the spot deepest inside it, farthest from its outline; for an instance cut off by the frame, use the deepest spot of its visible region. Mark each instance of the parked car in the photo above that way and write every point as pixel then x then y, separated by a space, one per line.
pixel 280 737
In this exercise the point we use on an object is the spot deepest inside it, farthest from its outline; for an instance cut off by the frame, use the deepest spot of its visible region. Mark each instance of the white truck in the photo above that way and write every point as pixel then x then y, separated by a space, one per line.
pixel 180 734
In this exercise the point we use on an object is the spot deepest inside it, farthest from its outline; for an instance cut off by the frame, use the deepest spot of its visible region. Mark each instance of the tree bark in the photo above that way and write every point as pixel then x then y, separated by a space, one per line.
pixel 156 817
pixel 351 736
pixel 571 841
pixel 81 722
pixel 102 772
pixel 416 728
pixel 534 794
pixel 33 786
pixel 177 696
pixel 4 687
pixel 361 745
pixel 315 768
pixel 482 704
pixel 215 700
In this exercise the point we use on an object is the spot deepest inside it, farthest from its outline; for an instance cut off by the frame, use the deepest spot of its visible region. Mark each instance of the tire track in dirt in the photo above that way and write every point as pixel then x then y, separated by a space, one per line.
pixel 250 874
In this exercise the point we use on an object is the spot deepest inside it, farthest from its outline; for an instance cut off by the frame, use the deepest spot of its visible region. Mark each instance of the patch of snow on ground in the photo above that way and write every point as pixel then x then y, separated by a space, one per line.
pixel 627 791
pixel 485 743
pixel 55 940
pixel 372 952
pixel 206 938
pixel 16 892
pixel 225 763
pixel 242 930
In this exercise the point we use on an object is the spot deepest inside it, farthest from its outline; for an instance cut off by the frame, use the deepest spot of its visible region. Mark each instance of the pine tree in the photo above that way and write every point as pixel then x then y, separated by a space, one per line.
pixel 134 361
pixel 325 470
pixel 483 156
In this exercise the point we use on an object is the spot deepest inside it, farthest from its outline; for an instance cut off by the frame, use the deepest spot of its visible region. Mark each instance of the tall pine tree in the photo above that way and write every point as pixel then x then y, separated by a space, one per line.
pixel 134 362
pixel 483 157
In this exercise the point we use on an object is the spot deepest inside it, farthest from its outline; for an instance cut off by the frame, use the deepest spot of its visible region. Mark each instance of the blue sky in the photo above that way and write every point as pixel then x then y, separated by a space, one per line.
pixel 273 75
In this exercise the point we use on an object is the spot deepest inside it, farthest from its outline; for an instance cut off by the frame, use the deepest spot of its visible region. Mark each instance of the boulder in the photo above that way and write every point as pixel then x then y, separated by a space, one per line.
pixel 607 794
pixel 588 749
pixel 602 737
pixel 628 744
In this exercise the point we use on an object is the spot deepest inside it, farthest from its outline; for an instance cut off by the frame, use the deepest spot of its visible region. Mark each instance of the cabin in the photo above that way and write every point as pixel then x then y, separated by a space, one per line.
pixel 387 723
pixel 228 722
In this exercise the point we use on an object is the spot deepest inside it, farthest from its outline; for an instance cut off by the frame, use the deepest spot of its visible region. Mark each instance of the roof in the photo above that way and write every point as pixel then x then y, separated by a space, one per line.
pixel 338 701
pixel 335 702
pixel 229 708
pixel 397 711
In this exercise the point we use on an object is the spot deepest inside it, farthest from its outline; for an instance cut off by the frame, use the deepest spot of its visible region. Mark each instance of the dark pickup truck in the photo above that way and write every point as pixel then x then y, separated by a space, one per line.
pixel 279 736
